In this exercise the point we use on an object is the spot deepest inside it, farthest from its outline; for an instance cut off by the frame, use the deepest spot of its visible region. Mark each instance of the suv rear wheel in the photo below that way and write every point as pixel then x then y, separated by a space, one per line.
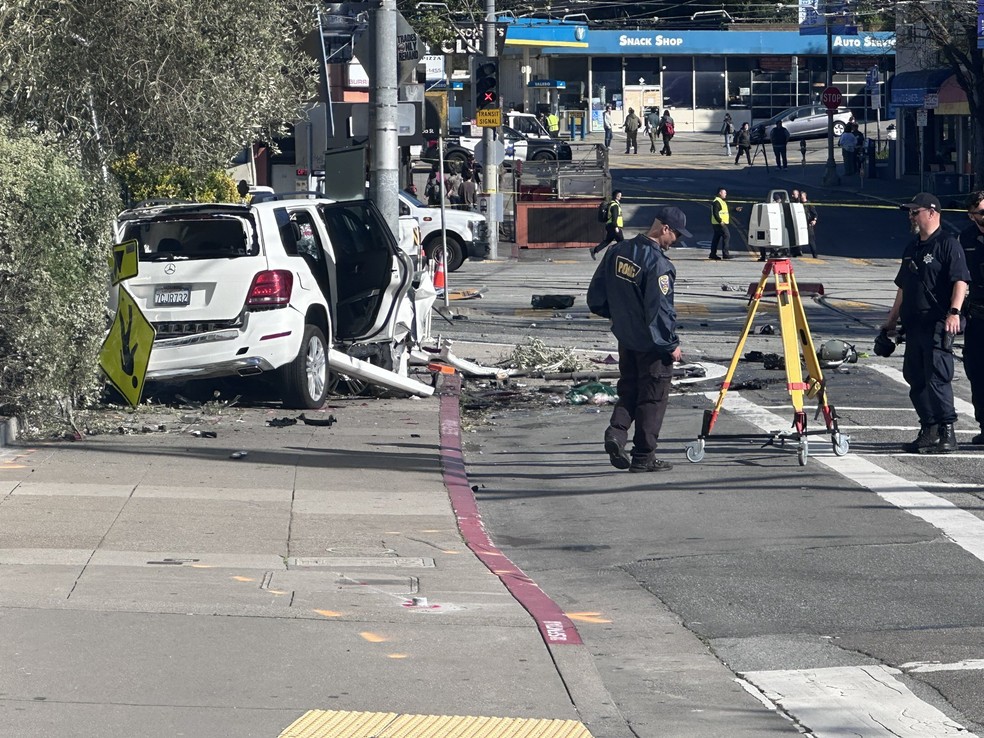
pixel 306 377
pixel 544 156
pixel 838 128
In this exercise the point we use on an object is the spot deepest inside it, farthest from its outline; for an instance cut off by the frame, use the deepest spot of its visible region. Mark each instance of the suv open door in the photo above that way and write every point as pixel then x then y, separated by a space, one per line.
pixel 372 273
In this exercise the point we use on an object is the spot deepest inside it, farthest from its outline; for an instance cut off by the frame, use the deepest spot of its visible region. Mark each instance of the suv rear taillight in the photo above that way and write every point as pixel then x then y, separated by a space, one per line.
pixel 270 289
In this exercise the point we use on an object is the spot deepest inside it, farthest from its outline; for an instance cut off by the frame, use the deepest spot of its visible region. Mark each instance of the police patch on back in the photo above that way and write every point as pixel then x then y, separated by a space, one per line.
pixel 626 269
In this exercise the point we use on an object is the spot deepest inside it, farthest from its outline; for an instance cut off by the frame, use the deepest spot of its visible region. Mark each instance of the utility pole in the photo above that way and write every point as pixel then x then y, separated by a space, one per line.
pixel 384 175
pixel 489 166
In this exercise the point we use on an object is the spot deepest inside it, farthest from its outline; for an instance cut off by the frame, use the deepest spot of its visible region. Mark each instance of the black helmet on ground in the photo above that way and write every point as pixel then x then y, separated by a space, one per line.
pixel 884 346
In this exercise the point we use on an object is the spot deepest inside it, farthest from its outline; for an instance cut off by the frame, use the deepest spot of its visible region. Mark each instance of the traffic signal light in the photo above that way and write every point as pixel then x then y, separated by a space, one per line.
pixel 486 83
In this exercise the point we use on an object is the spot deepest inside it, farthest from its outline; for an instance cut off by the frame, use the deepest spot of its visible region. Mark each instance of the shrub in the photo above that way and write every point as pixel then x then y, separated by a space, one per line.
pixel 55 237
pixel 148 182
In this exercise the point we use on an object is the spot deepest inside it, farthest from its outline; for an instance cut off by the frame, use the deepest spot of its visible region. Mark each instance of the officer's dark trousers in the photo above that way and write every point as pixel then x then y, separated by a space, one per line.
pixel 928 369
pixel 643 391
pixel 973 356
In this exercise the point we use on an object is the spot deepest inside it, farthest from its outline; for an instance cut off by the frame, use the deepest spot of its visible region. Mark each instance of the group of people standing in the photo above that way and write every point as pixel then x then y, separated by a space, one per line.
pixel 657 127
pixel 851 144
pixel 459 189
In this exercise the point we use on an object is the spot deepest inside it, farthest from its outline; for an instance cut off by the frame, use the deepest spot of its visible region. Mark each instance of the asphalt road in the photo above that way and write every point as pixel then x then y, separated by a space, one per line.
pixel 841 595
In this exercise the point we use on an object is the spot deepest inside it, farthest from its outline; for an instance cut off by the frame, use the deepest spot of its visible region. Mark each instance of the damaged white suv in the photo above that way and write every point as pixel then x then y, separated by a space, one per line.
pixel 273 286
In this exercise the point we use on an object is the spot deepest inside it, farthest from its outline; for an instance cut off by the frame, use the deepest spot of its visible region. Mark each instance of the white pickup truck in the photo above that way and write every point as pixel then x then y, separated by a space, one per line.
pixel 467 232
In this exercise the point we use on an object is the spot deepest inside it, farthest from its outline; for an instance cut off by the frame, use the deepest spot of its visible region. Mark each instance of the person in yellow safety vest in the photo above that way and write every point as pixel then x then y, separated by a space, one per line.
pixel 613 226
pixel 720 217
pixel 553 125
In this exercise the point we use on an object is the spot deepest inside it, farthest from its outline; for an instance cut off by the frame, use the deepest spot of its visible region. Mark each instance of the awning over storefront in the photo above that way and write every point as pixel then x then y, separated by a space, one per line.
pixel 909 88
pixel 953 99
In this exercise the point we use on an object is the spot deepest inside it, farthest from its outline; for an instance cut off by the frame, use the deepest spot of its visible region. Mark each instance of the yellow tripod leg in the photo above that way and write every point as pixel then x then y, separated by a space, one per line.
pixel 710 416
pixel 788 299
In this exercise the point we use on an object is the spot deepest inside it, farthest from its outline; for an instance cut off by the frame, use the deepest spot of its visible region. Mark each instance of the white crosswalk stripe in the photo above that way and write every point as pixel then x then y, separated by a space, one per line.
pixel 854 700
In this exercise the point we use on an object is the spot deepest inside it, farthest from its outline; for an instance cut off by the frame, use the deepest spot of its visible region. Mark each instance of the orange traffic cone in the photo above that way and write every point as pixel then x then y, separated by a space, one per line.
pixel 439 285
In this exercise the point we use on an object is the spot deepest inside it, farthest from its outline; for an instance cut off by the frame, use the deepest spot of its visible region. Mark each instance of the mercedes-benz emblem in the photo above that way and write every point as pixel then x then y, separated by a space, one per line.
pixel 169 269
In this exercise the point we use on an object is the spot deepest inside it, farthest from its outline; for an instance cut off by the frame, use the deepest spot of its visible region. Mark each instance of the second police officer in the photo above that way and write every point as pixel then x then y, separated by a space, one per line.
pixel 972 240
pixel 932 282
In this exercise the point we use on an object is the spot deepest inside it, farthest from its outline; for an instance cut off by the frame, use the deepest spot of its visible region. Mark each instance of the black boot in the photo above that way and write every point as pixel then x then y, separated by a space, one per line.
pixel 617 454
pixel 947 442
pixel 929 436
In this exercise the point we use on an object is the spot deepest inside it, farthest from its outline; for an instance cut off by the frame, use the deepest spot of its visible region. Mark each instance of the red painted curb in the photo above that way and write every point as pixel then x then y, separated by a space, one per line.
pixel 555 627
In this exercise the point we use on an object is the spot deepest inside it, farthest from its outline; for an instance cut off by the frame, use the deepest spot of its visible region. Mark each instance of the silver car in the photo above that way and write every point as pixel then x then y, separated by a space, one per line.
pixel 806 121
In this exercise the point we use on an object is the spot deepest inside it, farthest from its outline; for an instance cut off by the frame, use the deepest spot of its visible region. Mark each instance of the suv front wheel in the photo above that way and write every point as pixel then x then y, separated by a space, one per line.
pixel 306 377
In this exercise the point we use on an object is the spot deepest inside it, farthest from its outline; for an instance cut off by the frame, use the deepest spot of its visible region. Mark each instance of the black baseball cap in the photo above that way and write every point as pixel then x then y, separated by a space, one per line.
pixel 675 219
pixel 923 200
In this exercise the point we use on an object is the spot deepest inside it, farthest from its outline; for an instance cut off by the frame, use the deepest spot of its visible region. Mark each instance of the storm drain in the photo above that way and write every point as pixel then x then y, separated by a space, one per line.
pixel 342 724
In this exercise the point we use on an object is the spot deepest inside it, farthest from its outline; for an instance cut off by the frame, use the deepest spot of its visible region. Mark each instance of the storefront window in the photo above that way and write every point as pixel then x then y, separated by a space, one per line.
pixel 678 91
pixel 606 77
pixel 709 81
pixel 642 70
pixel 739 82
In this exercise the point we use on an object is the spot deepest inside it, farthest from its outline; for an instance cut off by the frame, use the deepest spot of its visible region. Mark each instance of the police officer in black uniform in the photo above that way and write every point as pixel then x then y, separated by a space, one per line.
pixel 932 282
pixel 972 240
pixel 633 286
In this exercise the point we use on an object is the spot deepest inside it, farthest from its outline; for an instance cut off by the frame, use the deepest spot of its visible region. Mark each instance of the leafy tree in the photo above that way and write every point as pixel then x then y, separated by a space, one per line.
pixel 944 33
pixel 54 246
pixel 172 80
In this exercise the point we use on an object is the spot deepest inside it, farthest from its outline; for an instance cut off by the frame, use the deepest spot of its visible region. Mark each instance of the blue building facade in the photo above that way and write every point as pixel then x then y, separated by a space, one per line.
pixel 700 75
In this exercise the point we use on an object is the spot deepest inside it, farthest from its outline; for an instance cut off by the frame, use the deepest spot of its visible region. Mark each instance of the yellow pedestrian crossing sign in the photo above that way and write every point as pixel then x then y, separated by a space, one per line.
pixel 124 262
pixel 125 353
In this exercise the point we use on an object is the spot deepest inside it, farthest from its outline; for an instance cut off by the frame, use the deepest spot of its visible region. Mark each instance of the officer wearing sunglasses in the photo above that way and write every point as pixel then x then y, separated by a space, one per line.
pixel 972 240
pixel 932 282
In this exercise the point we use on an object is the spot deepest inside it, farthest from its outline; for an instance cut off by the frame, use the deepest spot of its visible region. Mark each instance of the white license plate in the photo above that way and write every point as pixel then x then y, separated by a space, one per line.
pixel 172 296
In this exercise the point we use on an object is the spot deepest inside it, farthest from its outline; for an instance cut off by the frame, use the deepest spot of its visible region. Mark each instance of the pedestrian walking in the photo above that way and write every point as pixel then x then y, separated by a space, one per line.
pixel 634 287
pixel 743 142
pixel 728 131
pixel 720 218
pixel 667 129
pixel 780 139
pixel 652 128
pixel 632 125
pixel 606 121
pixel 932 283
pixel 811 222
pixel 613 226
pixel 972 241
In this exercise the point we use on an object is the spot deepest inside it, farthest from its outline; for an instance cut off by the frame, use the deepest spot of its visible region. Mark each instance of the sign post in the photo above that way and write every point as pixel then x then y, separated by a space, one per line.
pixel 125 352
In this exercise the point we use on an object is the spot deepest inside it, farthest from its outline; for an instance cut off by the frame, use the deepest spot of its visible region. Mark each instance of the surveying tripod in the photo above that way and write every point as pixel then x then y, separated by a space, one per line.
pixel 796 340
pixel 760 148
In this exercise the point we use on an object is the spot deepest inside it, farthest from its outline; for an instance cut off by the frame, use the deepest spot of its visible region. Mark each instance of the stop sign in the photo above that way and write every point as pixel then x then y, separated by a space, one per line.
pixel 831 98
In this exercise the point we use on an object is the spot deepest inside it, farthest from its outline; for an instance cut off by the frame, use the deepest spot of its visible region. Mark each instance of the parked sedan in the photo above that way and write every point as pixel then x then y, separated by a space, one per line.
pixel 806 121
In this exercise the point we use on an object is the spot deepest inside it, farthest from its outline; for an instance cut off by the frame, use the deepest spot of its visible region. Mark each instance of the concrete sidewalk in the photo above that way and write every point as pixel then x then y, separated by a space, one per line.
pixel 151 584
